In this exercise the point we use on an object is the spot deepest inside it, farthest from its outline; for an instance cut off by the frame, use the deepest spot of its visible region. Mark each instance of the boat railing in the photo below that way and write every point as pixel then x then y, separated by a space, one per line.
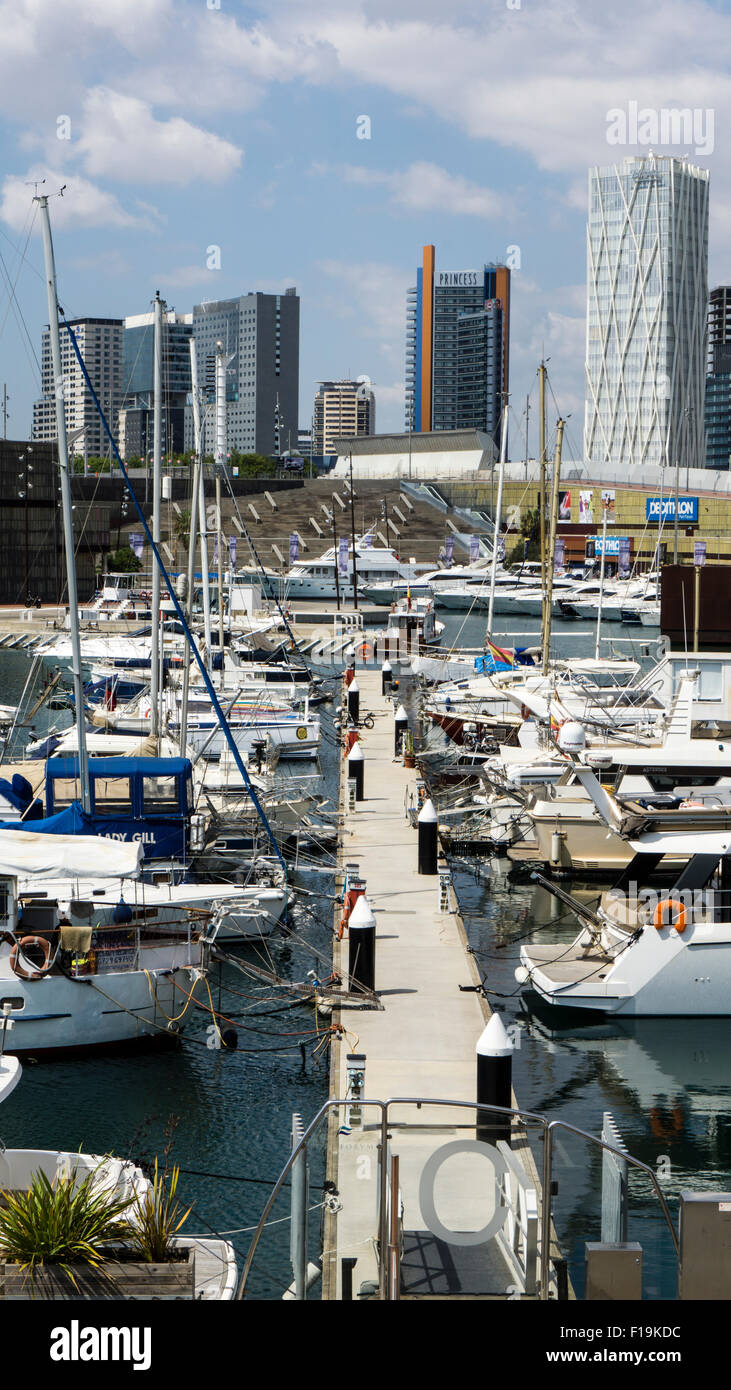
pixel 522 1223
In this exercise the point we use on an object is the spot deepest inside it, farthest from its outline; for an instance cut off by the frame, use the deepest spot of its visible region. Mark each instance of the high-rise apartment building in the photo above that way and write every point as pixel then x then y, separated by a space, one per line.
pixel 457 347
pixel 343 409
pixel 138 383
pixel 260 335
pixel 100 344
pixel 647 256
pixel 718 379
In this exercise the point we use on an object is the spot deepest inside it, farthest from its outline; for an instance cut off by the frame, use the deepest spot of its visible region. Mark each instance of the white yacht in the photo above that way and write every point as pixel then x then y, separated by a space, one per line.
pixel 648 952
pixel 316 578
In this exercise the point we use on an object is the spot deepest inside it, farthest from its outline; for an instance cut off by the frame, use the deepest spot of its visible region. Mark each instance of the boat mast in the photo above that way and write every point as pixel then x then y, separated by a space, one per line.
pixel 155 681
pixel 192 539
pixel 352 532
pixel 542 489
pixel 601 586
pixel 546 633
pixel 68 532
pixel 198 446
pixel 498 509
pixel 221 364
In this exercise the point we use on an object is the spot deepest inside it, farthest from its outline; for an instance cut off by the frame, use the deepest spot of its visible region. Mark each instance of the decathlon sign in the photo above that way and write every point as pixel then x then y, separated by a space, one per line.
pixel 687 509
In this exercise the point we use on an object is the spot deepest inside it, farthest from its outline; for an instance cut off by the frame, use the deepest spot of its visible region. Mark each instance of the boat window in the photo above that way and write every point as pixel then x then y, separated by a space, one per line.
pixel 16 1003
pixel 667 779
pixel 112 796
pixel 64 791
pixel 5 899
pixel 159 794
pixel 710 680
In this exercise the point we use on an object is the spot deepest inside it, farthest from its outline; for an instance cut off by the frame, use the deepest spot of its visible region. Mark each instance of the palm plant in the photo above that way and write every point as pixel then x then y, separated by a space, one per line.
pixel 159 1216
pixel 61 1223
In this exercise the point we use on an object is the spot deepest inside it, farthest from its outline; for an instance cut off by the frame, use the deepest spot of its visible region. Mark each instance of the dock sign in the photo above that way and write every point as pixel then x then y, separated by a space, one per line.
pixel 687 509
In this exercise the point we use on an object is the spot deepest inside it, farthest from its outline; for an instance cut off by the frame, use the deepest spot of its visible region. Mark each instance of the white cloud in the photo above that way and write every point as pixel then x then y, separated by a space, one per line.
pixel 83 203
pixel 424 186
pixel 377 290
pixel 122 139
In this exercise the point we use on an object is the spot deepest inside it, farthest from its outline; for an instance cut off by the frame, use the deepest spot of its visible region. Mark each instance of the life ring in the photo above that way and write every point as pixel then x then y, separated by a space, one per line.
pixel 17 952
pixel 302 732
pixel 659 920
pixel 364 651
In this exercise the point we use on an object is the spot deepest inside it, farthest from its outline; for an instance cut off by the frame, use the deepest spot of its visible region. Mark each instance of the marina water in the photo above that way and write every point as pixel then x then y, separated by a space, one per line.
pixel 226 1115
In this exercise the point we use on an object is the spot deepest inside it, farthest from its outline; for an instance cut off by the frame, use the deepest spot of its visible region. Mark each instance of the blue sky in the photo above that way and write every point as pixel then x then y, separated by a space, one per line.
pixel 192 126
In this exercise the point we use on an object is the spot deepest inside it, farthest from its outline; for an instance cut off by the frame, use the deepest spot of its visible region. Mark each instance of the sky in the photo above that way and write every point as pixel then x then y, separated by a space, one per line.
pixel 197 132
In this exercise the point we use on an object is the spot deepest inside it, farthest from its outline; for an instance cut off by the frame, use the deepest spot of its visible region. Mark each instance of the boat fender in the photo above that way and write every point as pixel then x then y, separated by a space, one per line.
pixel 662 920
pixel 17 954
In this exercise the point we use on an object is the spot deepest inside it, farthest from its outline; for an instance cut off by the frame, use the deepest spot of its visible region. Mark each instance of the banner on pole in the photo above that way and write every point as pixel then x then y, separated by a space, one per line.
pixel 474 547
pixel 586 507
pixel 343 555
pixel 449 550
pixel 558 555
pixel 137 544
pixel 624 563
pixel 232 550
pixel 294 548
pixel 699 552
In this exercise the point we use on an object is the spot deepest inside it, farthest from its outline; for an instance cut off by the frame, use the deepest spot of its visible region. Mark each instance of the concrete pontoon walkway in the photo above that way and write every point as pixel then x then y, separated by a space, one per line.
pixel 422 1043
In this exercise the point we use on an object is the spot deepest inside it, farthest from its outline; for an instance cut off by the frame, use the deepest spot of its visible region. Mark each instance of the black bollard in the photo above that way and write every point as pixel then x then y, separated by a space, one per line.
pixel 428 838
pixel 354 702
pixel 494 1080
pixel 362 945
pixel 356 768
pixel 386 677
pixel 400 726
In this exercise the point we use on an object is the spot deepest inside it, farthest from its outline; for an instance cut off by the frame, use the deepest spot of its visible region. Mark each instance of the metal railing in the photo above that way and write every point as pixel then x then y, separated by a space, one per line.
pixel 386 1234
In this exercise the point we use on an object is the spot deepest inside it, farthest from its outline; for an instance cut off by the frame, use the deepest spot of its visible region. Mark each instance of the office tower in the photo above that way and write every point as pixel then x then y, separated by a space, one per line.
pixel 100 344
pixel 718 379
pixel 260 336
pixel 138 383
pixel 343 409
pixel 457 347
pixel 647 253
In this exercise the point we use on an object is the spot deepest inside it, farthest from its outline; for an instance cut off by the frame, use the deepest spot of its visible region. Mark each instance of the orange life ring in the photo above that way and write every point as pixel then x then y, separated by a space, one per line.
pixel 17 951
pixel 659 920
pixel 364 651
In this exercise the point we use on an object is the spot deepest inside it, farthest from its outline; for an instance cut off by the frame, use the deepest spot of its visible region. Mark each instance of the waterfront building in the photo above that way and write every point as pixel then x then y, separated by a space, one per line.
pixel 138 367
pixel 718 380
pixel 457 347
pixel 342 408
pixel 260 337
pixel 100 344
pixel 647 256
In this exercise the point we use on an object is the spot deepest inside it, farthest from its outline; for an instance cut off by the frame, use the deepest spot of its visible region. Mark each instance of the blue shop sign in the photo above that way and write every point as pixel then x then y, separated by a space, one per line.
pixel 687 509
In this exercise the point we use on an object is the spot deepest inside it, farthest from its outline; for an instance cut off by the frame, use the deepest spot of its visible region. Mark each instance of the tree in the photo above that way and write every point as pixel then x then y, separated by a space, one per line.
pixel 123 561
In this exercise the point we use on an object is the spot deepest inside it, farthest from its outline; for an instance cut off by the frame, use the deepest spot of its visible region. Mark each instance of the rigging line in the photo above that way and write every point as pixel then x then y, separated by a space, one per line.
pixel 179 611
pixel 12 300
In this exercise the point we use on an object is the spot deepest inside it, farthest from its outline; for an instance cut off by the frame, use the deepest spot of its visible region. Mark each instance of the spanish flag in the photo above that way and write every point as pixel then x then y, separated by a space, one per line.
pixel 499 656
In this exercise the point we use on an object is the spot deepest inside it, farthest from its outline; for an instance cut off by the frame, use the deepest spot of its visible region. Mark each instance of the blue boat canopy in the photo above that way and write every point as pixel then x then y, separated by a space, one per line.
pixel 120 767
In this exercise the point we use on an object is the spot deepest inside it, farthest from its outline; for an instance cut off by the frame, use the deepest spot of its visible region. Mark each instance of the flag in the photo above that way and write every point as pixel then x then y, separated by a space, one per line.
pixel 474 547
pixel 624 565
pixel 558 555
pixel 495 659
pixel 136 544
pixel 294 547
pixel 449 550
pixel 343 555
pixel 232 550
pixel 367 540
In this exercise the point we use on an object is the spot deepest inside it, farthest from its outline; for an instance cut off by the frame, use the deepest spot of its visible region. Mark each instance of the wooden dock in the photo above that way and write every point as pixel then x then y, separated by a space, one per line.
pixel 420 1043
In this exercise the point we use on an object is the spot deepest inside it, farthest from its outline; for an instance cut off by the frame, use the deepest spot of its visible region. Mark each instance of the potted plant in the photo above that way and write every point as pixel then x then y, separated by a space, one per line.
pixel 70 1239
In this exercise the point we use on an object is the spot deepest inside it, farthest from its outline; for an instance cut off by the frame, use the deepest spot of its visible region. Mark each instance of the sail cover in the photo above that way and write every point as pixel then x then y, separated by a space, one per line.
pixel 26 853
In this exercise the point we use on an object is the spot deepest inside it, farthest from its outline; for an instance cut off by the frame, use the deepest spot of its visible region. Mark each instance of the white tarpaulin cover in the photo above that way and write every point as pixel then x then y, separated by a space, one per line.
pixel 24 853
